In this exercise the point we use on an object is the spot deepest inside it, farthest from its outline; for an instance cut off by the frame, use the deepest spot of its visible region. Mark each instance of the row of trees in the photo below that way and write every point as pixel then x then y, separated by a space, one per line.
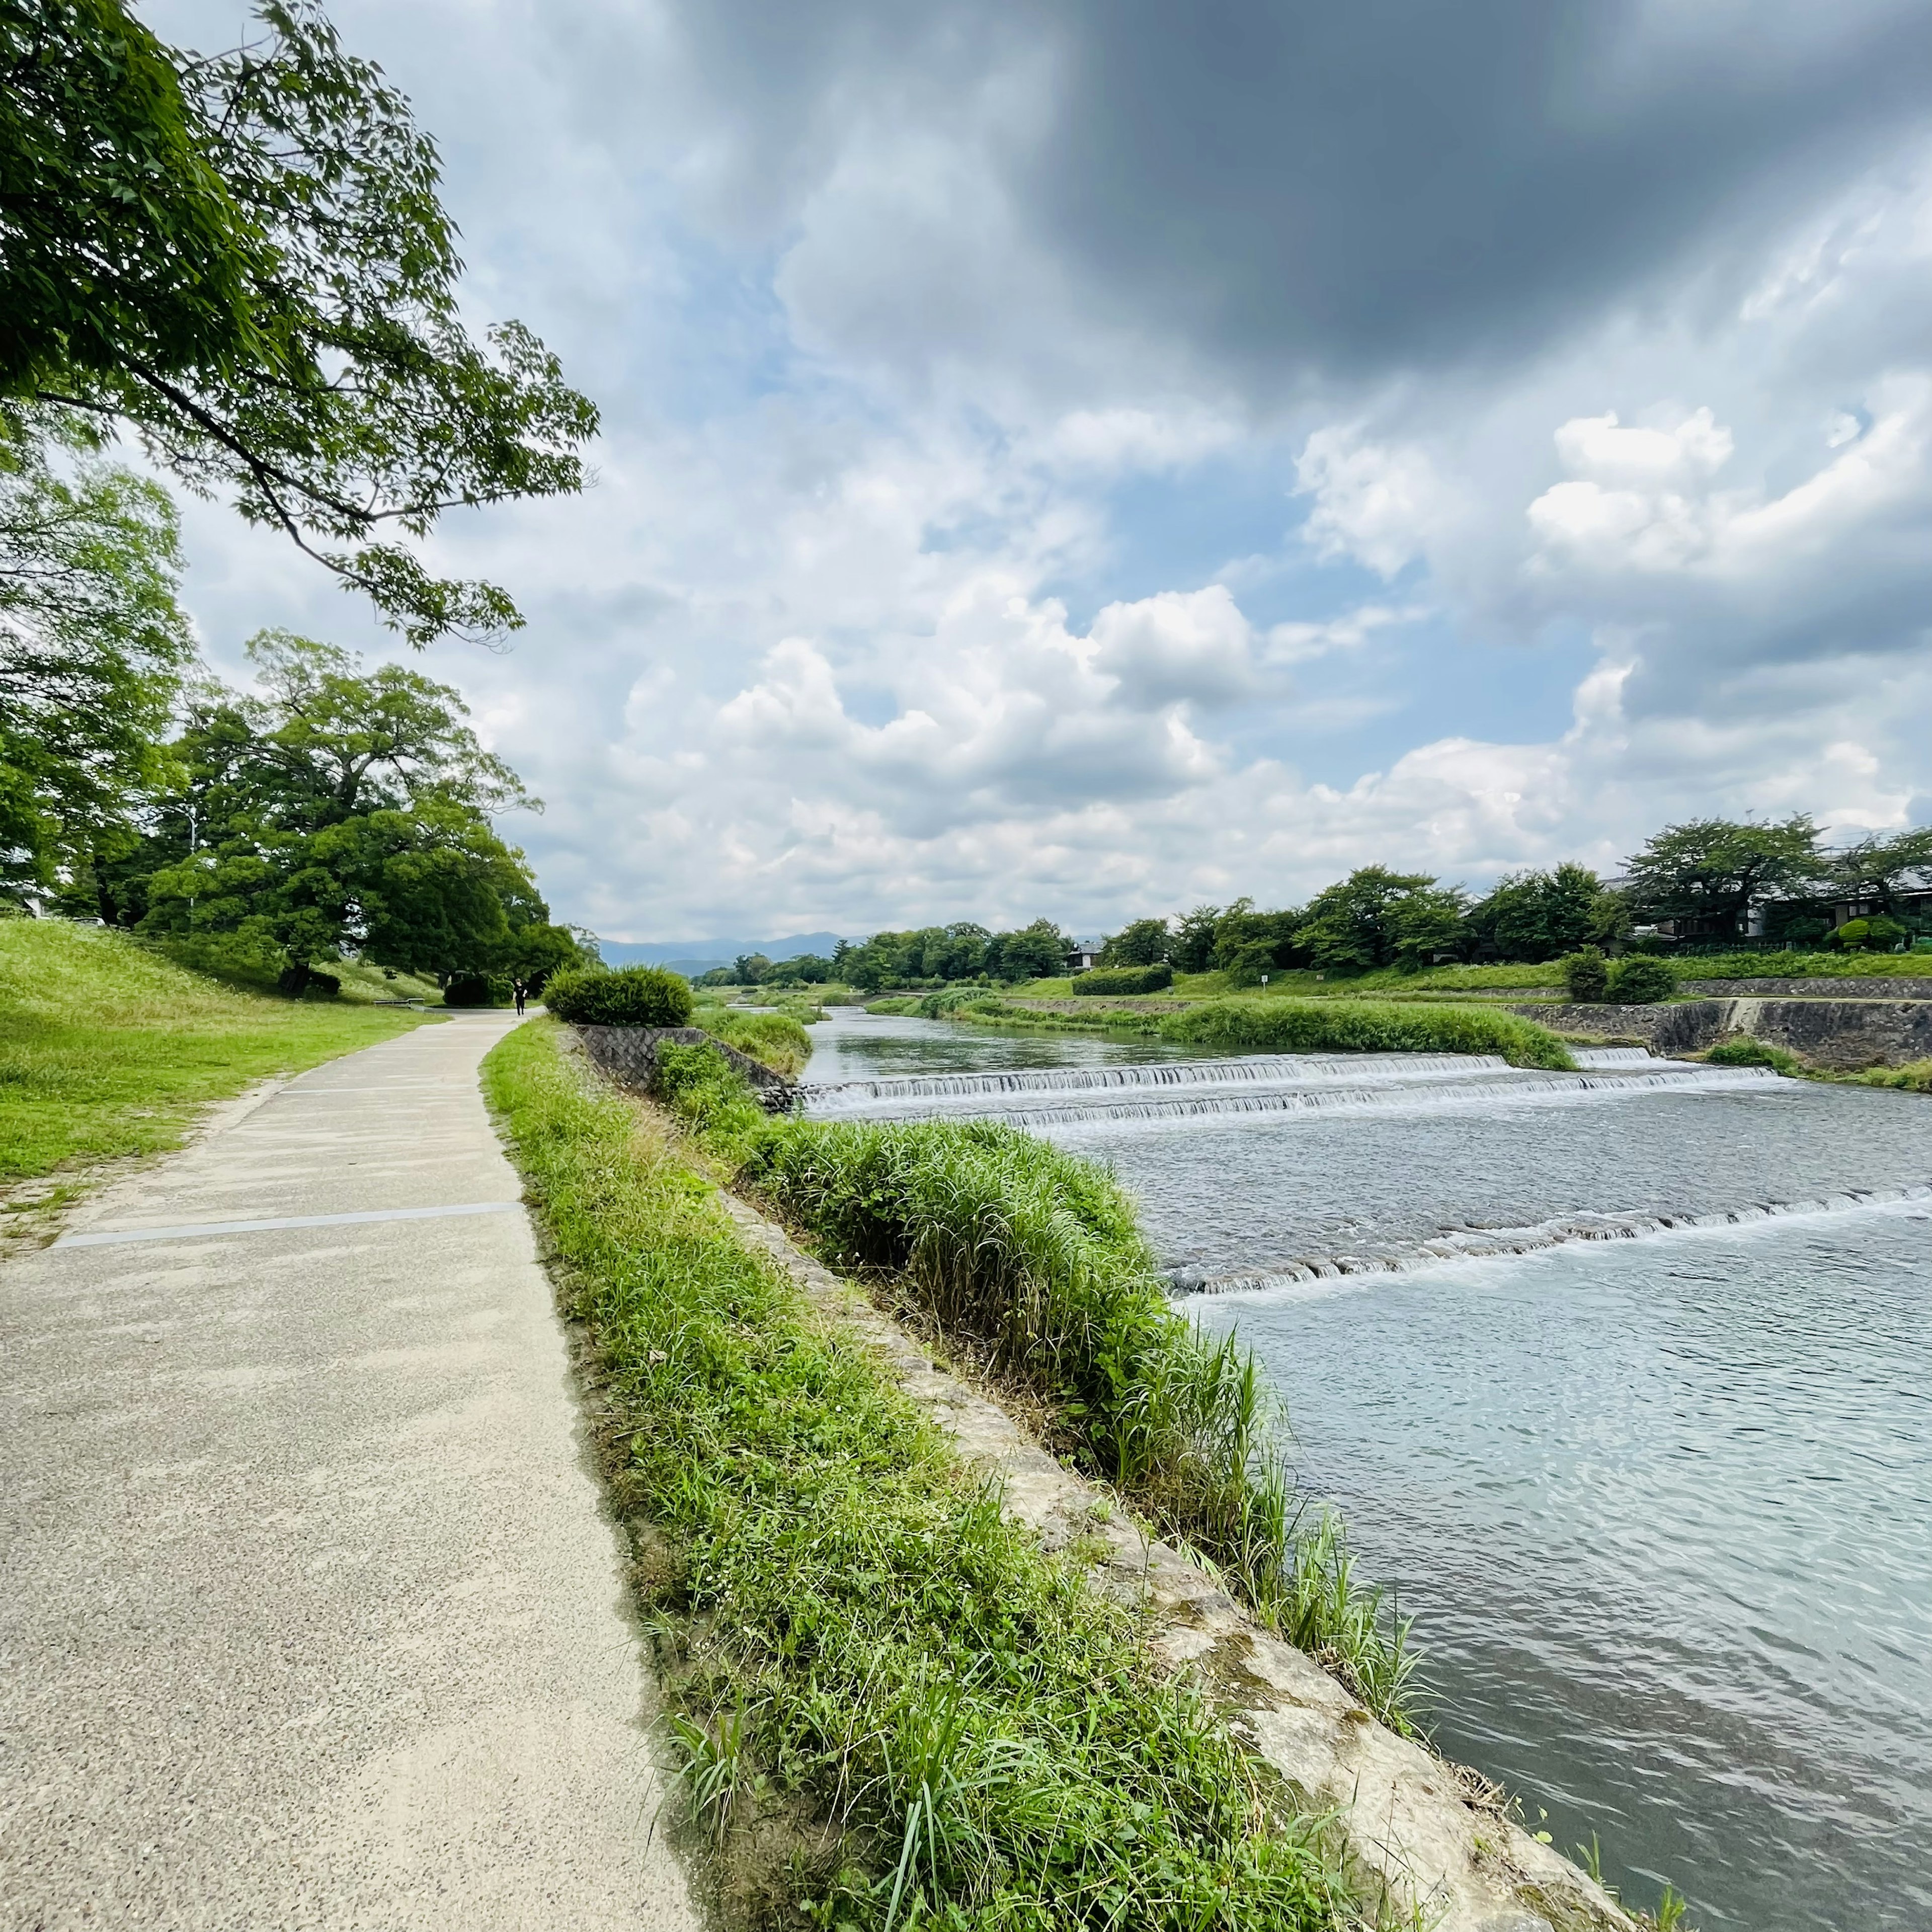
pixel 239 264
pixel 932 954
pixel 1709 879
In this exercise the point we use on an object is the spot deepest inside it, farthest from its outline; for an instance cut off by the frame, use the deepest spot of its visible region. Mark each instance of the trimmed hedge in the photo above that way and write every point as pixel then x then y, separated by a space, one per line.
pixel 632 996
pixel 1126 979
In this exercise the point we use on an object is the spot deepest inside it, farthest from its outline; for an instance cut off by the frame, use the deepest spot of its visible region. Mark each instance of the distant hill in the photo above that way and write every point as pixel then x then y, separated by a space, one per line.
pixel 690 957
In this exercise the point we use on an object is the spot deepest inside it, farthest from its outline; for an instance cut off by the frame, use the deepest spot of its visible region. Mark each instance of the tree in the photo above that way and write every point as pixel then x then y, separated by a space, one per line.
pixel 1375 917
pixel 1876 868
pixel 1036 952
pixel 339 810
pixel 1145 942
pixel 533 953
pixel 1193 948
pixel 91 645
pixel 1709 872
pixel 244 261
pixel 1535 915
pixel 1248 943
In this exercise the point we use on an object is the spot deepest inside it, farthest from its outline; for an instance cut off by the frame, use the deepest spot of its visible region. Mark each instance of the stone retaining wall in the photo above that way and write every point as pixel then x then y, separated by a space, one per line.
pixel 628 1056
pixel 1846 1036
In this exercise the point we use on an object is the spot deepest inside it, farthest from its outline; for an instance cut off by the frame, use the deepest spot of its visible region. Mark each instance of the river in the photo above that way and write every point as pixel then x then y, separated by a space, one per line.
pixel 1623 1382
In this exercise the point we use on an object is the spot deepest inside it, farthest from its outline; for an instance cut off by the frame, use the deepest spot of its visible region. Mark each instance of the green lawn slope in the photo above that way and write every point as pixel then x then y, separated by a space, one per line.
pixel 107 1049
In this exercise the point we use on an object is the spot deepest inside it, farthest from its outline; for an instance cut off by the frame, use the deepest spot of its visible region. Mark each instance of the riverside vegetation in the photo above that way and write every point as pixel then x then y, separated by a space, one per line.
pixel 110 1049
pixel 1277 1026
pixel 892 1707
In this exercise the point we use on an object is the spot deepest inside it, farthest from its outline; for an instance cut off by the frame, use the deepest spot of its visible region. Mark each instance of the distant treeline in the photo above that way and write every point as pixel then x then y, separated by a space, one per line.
pixel 1700 881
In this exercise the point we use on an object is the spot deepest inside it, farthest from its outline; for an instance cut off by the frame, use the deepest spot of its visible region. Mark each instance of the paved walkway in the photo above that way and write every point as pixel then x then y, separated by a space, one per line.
pixel 310 1617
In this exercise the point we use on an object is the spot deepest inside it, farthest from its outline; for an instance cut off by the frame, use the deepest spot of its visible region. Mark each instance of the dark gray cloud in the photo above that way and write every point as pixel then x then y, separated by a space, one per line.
pixel 1389 182
pixel 1346 188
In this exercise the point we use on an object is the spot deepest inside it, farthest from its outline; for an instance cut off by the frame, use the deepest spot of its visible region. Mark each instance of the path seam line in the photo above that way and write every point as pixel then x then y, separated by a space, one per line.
pixel 115 1237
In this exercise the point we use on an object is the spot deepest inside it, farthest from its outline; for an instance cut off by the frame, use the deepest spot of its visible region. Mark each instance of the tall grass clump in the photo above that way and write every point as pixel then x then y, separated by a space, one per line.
pixel 892 1709
pixel 1337 1026
pixel 776 1040
pixel 1033 1257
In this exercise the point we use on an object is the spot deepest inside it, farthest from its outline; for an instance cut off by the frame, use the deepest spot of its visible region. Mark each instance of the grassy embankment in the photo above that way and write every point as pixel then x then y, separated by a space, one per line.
pixel 892 1708
pixel 1247 1025
pixel 107 1049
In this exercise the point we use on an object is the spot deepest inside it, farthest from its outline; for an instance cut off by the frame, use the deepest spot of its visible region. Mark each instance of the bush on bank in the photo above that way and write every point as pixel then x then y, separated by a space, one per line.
pixel 1032 1258
pixel 1337 1026
pixel 776 1040
pixel 893 1709
pixel 638 996
pixel 1125 979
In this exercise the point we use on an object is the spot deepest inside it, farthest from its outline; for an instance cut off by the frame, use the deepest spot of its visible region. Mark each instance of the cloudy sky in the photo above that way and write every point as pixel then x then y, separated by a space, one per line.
pixel 1086 458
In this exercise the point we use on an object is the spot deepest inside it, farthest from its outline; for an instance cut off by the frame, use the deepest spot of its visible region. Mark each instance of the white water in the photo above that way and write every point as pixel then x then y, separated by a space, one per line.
pixel 1192 1089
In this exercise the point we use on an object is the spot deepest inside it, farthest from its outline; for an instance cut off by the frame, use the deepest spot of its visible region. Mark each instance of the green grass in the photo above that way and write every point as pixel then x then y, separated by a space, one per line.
pixel 777 1040
pixel 107 1049
pixel 1806 966
pixel 1914 1078
pixel 1328 1026
pixel 1031 1260
pixel 1283 1026
pixel 891 1707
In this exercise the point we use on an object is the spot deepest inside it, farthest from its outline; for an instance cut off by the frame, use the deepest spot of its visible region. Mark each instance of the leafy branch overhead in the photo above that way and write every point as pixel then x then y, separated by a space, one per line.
pixel 244 260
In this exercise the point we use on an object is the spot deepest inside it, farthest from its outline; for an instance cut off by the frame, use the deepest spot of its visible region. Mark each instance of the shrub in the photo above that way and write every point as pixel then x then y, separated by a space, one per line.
pixel 1640 981
pixel 637 996
pixel 1586 974
pixel 1126 979
pixel 1741 1050
pixel 476 989
pixel 1878 933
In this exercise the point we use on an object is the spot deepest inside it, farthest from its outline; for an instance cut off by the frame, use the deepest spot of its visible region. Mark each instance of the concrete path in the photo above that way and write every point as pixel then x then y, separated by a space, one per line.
pixel 310 1617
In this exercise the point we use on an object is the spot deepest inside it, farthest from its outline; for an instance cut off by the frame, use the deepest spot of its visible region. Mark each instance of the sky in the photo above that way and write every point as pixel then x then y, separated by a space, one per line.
pixel 1086 458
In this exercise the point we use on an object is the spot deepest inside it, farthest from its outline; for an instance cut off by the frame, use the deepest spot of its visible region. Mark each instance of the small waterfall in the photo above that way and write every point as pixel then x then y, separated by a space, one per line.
pixel 1286 1068
pixel 1279 1083
pixel 1455 1244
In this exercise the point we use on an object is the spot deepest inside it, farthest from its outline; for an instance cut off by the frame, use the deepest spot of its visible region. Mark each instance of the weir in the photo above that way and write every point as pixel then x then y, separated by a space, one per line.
pixel 1260 1084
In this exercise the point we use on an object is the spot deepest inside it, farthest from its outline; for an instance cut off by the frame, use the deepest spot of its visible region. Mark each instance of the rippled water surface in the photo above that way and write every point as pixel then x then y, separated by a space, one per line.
pixel 1662 1506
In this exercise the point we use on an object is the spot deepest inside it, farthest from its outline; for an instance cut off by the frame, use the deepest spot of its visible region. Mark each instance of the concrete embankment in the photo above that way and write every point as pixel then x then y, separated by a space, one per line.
pixel 1843 1035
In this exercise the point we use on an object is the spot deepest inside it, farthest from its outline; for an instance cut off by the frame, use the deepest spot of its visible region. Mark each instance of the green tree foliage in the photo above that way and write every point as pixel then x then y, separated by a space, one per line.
pixel 1375 917
pixel 1877 869
pixel 1146 942
pixel 338 810
pixel 1193 948
pixel 1535 915
pixel 1248 943
pixel 91 643
pixel 1708 871
pixel 938 954
pixel 244 260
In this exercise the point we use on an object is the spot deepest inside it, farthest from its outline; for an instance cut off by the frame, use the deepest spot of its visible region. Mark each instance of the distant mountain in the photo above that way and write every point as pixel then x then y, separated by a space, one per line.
pixel 690 957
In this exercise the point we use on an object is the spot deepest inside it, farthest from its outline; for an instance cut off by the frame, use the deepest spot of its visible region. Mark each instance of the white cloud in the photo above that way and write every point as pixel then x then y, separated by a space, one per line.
pixel 1382 504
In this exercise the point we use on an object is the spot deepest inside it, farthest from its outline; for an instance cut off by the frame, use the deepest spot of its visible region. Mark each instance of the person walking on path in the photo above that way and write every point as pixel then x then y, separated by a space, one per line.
pixel 313 1616
pixel 520 999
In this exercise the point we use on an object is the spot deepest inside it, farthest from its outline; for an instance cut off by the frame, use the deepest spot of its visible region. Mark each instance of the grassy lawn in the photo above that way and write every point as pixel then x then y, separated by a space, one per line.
pixel 108 1049
pixel 893 1709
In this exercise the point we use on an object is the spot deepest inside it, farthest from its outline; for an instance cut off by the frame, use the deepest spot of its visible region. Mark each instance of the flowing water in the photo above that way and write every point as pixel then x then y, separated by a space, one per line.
pixel 1623 1380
